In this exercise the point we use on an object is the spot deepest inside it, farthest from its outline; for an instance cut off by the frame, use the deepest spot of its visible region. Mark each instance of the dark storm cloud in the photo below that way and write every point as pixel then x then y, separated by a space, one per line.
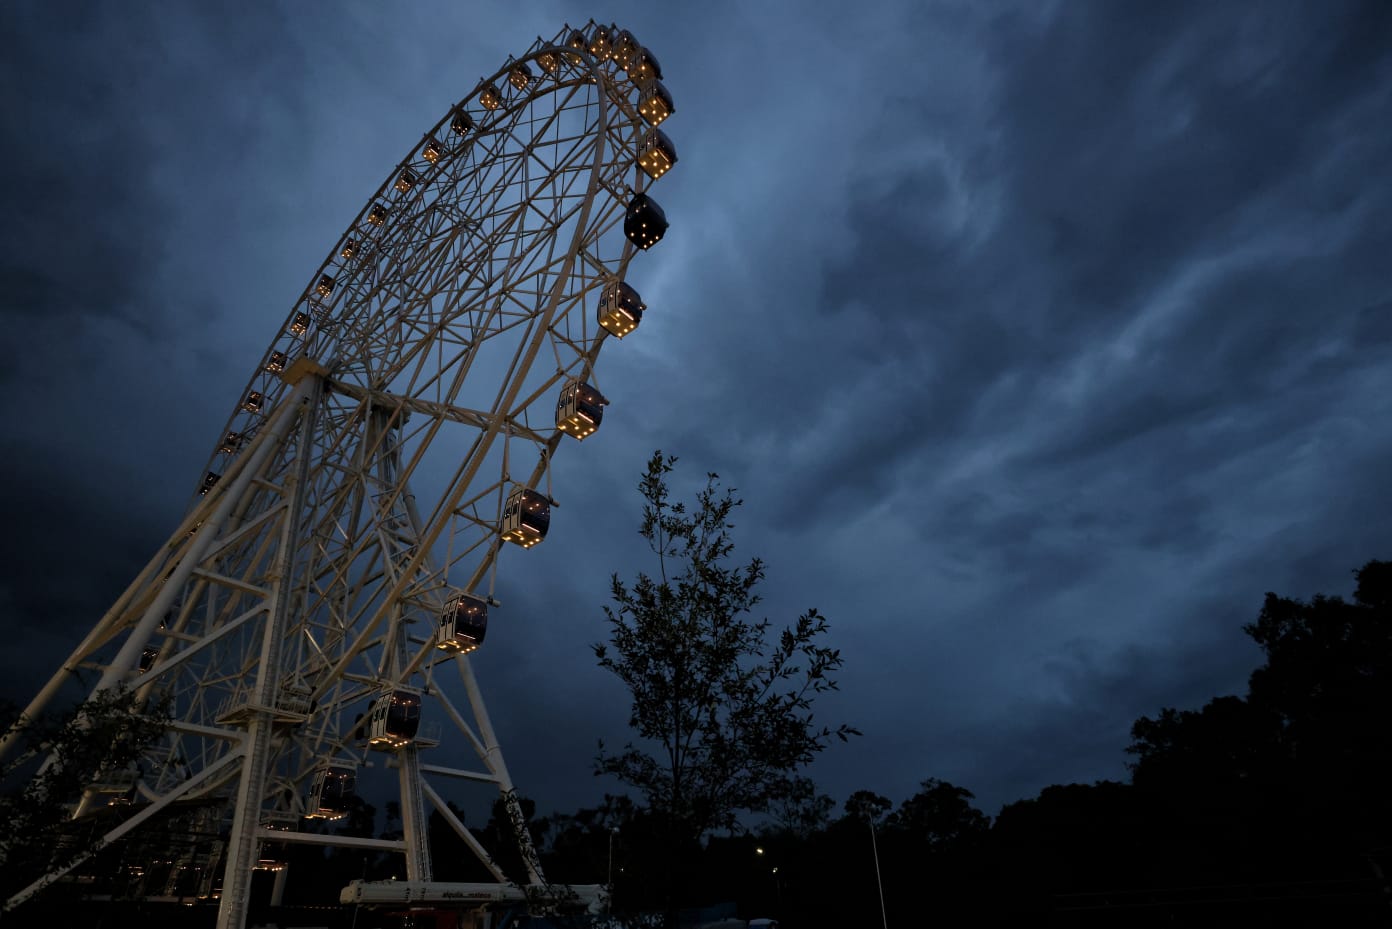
pixel 104 136
pixel 1040 341
pixel 1205 244
pixel 1121 303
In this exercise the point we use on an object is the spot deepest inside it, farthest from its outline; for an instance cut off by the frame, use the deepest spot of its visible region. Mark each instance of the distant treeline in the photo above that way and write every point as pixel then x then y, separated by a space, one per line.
pixel 1269 809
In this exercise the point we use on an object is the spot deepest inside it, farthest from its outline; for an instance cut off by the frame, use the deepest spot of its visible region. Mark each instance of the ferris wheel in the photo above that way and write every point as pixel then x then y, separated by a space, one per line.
pixel 314 612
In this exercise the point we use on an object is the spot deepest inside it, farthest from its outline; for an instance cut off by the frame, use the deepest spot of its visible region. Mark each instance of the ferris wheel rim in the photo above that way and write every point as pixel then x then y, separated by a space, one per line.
pixel 604 99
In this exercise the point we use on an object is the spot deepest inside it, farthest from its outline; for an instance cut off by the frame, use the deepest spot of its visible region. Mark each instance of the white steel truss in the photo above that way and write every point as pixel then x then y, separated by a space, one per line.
pixel 361 480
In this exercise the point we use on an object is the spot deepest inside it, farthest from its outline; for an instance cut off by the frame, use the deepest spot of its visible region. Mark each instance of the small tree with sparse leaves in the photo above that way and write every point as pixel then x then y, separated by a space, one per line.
pixel 722 705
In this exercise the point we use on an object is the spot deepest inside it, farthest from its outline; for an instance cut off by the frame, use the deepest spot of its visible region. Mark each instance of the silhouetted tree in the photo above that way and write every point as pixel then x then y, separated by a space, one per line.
pixel 1229 741
pixel 1073 837
pixel 1292 778
pixel 1327 680
pixel 940 816
pixel 575 847
pixel 723 707
pixel 801 810
pixel 867 807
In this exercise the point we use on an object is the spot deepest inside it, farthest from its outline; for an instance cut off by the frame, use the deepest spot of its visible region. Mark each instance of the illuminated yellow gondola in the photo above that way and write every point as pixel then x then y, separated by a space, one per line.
pixel 625 49
pixel 601 43
pixel 576 41
pixel 620 309
pixel 655 103
pixel 580 409
pixel 526 517
pixel 656 154
pixel 644 67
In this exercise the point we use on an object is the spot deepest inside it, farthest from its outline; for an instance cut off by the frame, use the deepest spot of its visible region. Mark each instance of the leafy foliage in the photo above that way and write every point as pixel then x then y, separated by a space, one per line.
pixel 728 712
pixel 102 739
pixel 867 807
pixel 801 810
pixel 940 816
pixel 1313 721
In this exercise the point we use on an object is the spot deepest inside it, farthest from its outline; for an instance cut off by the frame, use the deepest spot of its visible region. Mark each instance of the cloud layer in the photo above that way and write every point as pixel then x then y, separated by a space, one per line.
pixel 1040 341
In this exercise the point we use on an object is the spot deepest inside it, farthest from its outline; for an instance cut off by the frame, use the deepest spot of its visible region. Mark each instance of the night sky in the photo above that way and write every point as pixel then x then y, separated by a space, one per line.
pixel 1040 339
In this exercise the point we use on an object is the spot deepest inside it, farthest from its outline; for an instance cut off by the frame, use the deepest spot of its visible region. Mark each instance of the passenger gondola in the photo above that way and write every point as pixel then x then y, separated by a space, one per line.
pixel 644 67
pixel 656 154
pixel 580 409
pixel 395 720
pixel 655 103
pixel 463 624
pixel 519 75
pixel 644 222
pixel 526 517
pixel 462 124
pixel 601 43
pixel 625 49
pixel 620 309
pixel 331 791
